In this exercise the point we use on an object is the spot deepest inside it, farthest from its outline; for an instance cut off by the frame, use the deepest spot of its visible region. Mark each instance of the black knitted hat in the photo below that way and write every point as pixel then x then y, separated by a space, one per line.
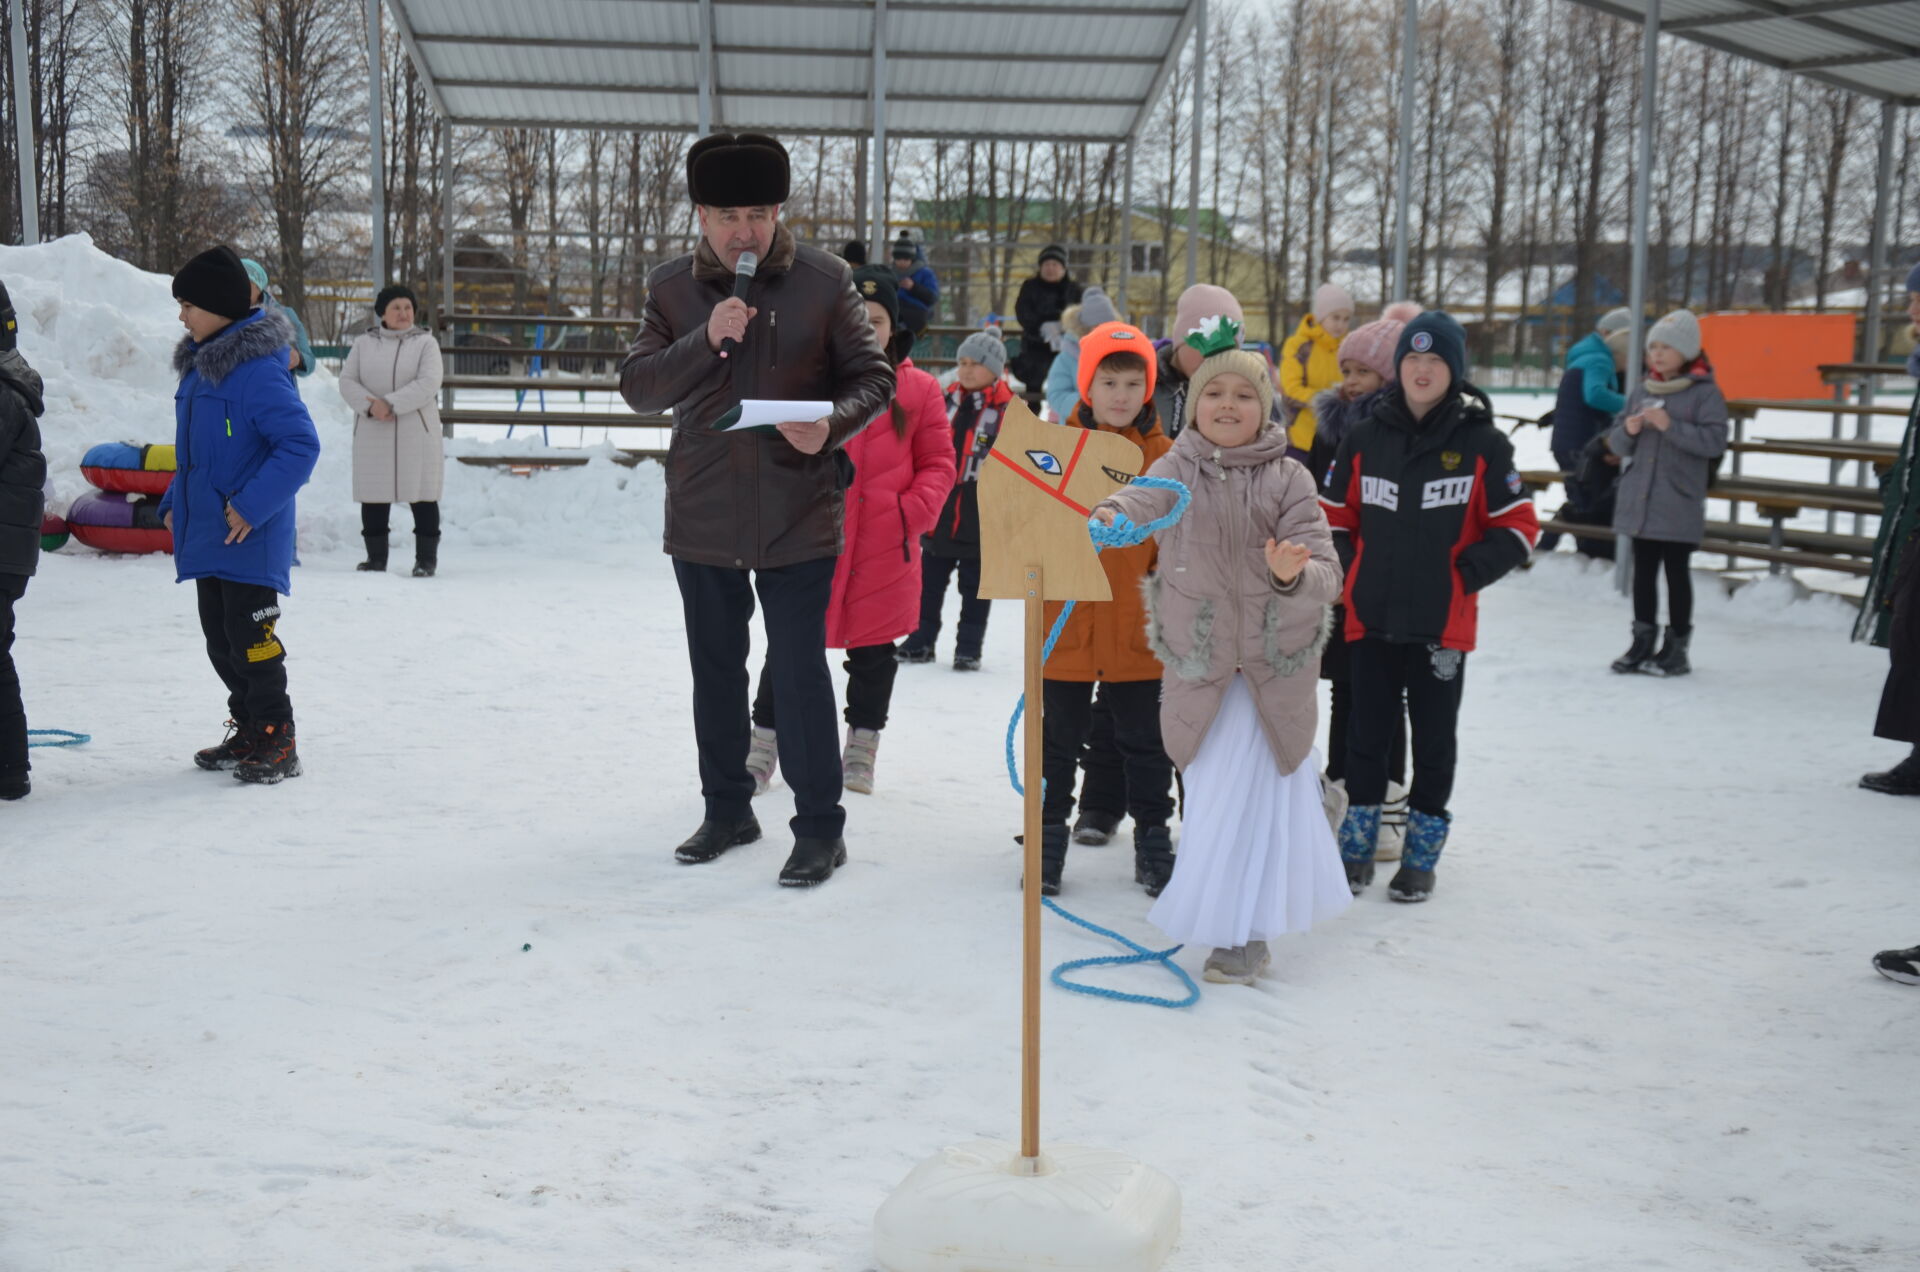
pixel 877 283
pixel 745 171
pixel 217 282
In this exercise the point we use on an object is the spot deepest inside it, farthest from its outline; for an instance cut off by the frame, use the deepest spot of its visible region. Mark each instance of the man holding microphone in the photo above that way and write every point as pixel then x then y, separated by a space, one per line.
pixel 757 511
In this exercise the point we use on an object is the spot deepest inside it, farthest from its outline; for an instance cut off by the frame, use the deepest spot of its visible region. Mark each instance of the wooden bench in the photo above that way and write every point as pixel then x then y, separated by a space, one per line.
pixel 555 419
pixel 1879 454
pixel 1719 543
pixel 630 456
pixel 1815 406
pixel 532 383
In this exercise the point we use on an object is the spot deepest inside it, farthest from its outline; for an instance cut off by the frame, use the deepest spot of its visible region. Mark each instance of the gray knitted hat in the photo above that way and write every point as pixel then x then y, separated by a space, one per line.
pixel 986 348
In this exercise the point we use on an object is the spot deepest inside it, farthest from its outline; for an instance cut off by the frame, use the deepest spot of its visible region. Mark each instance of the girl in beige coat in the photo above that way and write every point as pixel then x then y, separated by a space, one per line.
pixel 1238 613
pixel 392 381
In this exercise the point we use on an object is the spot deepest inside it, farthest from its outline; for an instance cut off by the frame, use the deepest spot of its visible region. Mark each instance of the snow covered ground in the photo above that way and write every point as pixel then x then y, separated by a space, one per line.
pixel 446 1002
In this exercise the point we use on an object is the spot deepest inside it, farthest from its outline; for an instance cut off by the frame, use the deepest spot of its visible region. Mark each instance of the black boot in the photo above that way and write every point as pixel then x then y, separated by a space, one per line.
pixel 376 561
pixel 813 862
pixel 1902 779
pixel 1053 857
pixel 228 755
pixel 426 555
pixel 14 784
pixel 1152 857
pixel 914 654
pixel 273 758
pixel 1637 658
pixel 1672 658
pixel 715 837
pixel 1095 828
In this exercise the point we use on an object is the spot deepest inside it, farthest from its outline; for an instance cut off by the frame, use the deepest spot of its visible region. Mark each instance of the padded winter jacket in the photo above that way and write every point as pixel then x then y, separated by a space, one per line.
pixel 1589 395
pixel 1107 640
pixel 973 418
pixel 1039 303
pixel 1214 608
pixel 1063 378
pixel 301 343
pixel 401 460
pixel 900 484
pixel 23 469
pixel 1662 493
pixel 242 438
pixel 917 302
pixel 1309 362
pixel 750 500
pixel 1432 512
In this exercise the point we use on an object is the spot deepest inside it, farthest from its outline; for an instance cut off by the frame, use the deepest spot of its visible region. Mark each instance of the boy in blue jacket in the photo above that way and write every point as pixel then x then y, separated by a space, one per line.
pixel 245 445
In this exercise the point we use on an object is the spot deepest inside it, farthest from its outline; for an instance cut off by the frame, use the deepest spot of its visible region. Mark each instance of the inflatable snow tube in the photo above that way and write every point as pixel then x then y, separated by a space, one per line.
pixel 110 521
pixel 53 533
pixel 130 469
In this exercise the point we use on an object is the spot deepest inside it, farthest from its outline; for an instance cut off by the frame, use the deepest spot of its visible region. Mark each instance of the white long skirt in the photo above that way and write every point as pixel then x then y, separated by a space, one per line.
pixel 1257 857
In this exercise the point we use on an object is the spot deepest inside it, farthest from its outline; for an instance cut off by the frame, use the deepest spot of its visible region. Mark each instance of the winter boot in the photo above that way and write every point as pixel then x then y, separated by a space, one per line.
pixel 1240 965
pixel 14 784
pixel 762 758
pixel 1053 857
pixel 1152 857
pixel 1899 965
pixel 1095 828
pixel 273 757
pixel 714 838
pixel 1637 657
pixel 1426 836
pixel 376 562
pixel 1902 779
pixel 966 662
pixel 1393 824
pixel 908 654
pixel 856 764
pixel 426 555
pixel 228 755
pixel 1672 658
pixel 1359 835
pixel 813 862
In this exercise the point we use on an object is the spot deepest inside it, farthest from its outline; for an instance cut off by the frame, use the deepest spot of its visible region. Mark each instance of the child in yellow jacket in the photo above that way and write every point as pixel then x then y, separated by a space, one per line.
pixel 1310 362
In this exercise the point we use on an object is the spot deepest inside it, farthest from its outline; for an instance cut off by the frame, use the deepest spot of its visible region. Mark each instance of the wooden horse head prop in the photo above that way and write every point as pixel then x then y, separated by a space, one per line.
pixel 1037 488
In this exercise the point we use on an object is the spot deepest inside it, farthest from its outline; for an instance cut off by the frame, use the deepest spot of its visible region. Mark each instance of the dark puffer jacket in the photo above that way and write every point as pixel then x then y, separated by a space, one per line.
pixel 23 469
pixel 750 500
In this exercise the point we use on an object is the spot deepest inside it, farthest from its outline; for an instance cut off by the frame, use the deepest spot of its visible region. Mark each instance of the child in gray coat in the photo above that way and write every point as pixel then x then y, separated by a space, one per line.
pixel 1673 429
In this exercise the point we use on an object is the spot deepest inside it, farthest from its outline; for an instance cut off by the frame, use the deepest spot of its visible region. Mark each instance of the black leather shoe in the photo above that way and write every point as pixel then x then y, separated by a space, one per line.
pixel 714 838
pixel 1902 779
pixel 813 862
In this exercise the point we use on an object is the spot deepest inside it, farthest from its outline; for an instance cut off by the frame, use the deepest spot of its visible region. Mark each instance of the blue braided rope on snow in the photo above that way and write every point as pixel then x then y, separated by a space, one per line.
pixel 1121 534
pixel 67 737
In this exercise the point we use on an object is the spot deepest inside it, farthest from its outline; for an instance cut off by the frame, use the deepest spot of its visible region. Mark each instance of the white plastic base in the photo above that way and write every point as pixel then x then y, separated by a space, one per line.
pixel 979 1208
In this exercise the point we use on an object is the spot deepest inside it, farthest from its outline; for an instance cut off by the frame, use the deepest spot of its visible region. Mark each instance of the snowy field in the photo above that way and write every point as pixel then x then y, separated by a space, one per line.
pixel 446 1002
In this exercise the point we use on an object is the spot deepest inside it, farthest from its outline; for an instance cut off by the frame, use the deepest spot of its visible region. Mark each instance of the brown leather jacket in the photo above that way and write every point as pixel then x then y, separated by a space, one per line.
pixel 750 500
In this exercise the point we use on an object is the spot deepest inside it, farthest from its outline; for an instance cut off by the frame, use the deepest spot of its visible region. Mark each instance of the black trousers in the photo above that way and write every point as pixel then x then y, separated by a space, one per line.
pixel 1135 708
pixel 719 603
pixel 377 519
pixel 239 622
pixel 1650 558
pixel 1567 461
pixel 1103 782
pixel 934 573
pixel 13 713
pixel 1426 682
pixel 1339 716
pixel 870 673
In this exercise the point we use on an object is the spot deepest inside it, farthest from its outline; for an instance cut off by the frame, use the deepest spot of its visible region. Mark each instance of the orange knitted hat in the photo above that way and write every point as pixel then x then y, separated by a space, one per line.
pixel 1108 339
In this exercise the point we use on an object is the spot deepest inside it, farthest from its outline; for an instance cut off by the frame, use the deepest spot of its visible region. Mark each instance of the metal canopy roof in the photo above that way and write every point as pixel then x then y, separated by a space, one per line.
pixel 1866 46
pixel 1065 70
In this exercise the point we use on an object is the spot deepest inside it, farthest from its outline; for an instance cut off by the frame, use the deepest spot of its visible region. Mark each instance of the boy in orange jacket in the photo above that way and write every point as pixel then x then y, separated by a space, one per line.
pixel 1105 642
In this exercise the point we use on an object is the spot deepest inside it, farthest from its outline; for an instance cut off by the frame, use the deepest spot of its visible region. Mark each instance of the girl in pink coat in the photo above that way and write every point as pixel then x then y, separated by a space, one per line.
pixel 1238 614
pixel 903 471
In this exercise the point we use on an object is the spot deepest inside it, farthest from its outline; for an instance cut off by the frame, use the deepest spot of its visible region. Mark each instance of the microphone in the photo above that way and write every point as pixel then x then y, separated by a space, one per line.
pixel 742 278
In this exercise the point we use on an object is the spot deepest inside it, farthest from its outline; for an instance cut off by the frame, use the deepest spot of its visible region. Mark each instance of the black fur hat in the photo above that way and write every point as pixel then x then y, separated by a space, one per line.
pixel 747 171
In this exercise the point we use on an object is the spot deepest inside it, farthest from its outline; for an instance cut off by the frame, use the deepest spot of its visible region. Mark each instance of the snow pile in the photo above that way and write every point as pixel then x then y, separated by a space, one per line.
pixel 102 334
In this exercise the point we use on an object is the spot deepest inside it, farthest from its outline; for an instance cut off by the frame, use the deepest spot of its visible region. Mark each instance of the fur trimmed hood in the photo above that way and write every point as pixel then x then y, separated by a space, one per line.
pixel 258 335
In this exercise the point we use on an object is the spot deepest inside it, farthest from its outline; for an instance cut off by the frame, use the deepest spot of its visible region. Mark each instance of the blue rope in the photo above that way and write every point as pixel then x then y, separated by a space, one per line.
pixel 69 738
pixel 1141 954
pixel 1121 534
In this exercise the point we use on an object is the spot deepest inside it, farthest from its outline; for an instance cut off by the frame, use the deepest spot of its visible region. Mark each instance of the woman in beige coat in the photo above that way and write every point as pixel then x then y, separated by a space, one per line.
pixel 392 382
pixel 1238 613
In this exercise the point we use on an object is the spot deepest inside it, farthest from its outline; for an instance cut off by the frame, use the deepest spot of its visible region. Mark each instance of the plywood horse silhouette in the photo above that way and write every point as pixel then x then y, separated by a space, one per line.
pixel 1037 488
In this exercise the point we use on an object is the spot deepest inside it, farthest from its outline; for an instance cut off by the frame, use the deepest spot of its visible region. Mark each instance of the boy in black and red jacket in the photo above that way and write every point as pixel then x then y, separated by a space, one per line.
pixel 1427 509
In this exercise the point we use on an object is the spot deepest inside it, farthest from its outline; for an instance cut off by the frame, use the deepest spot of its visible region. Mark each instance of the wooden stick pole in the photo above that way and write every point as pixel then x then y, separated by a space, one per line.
pixel 1030 970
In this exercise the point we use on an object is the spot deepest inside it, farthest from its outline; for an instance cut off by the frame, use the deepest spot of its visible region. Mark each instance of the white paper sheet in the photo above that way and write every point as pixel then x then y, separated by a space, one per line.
pixel 766 412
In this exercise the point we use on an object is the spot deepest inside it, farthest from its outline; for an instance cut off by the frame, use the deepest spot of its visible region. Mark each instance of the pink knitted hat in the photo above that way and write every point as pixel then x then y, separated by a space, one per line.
pixel 1402 311
pixel 1203 300
pixel 1372 346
